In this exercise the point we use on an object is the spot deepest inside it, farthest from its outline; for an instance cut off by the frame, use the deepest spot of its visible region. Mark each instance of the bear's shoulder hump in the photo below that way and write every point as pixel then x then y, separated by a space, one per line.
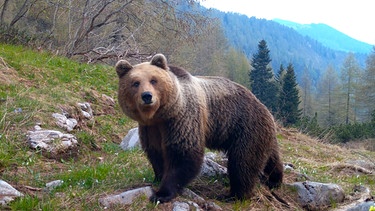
pixel 179 72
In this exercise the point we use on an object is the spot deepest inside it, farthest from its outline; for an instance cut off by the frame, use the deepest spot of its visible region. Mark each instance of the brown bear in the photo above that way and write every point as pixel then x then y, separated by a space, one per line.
pixel 180 114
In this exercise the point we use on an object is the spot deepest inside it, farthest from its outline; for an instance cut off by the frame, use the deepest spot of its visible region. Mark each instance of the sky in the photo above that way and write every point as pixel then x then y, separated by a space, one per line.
pixel 355 18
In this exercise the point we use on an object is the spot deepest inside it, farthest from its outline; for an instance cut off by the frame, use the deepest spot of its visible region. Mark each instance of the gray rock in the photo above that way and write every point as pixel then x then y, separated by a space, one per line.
pixel 187 193
pixel 357 199
pixel 125 198
pixel 86 110
pixel 50 140
pixel 314 195
pixel 131 140
pixel 181 206
pixel 108 100
pixel 52 185
pixel 66 123
pixel 7 193
pixel 211 168
pixel 365 206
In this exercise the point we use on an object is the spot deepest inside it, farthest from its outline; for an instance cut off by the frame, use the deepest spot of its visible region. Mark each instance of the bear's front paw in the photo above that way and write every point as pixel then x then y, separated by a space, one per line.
pixel 162 196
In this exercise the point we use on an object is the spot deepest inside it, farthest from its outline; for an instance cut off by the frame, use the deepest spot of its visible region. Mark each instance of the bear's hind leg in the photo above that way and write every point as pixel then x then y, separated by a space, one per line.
pixel 273 171
pixel 244 170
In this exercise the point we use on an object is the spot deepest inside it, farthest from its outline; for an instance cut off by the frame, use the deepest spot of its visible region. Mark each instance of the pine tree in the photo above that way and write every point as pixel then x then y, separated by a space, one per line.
pixel 279 84
pixel 289 98
pixel 262 80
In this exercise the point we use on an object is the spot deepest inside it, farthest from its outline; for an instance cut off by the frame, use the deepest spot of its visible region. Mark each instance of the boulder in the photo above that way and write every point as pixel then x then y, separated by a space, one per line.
pixel 317 196
pixel 365 206
pixel 210 168
pixel 64 122
pixel 125 198
pixel 131 140
pixel 7 193
pixel 86 110
pixel 53 143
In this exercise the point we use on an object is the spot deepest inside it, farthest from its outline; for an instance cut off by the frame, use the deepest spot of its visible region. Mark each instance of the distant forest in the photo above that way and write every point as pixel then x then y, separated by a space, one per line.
pixel 286 45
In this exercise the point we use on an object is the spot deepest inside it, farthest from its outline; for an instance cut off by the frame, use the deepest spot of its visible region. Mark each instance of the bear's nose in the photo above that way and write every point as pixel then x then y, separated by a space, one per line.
pixel 147 97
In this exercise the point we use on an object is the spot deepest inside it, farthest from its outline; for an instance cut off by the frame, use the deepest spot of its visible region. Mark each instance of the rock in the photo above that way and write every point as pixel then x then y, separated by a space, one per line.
pixel 181 206
pixel 66 123
pixel 358 199
pixel 131 140
pixel 288 167
pixel 7 193
pixel 86 110
pixel 365 206
pixel 187 193
pixel 52 185
pixel 55 143
pixel 363 163
pixel 211 168
pixel 315 196
pixel 125 198
pixel 108 100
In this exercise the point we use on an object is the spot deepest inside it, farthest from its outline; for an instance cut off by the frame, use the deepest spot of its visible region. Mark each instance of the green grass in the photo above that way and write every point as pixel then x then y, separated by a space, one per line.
pixel 39 84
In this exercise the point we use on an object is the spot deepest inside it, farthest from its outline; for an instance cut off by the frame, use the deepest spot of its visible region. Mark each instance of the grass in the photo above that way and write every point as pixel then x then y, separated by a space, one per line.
pixel 33 85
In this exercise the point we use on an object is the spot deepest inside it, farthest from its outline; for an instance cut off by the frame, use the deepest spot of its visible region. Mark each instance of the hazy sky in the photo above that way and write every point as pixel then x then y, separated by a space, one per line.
pixel 355 18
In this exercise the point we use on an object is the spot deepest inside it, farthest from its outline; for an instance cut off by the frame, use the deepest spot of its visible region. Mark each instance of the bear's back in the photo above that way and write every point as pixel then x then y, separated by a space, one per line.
pixel 179 72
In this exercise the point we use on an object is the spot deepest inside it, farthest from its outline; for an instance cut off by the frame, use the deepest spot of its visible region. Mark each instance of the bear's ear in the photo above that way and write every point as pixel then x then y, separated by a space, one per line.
pixel 122 67
pixel 159 60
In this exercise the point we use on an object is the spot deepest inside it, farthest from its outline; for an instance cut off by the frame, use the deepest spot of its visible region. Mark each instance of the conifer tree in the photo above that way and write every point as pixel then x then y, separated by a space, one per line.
pixel 289 99
pixel 350 73
pixel 279 84
pixel 262 80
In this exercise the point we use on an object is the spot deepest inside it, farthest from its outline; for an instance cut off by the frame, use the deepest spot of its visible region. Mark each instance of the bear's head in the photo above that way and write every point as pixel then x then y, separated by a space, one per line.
pixel 145 89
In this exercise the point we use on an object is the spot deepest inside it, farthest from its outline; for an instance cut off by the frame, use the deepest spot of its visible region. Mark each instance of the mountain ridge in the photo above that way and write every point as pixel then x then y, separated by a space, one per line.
pixel 328 36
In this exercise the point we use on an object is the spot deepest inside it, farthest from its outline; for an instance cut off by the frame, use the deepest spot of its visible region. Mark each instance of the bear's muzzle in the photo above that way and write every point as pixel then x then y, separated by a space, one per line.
pixel 147 97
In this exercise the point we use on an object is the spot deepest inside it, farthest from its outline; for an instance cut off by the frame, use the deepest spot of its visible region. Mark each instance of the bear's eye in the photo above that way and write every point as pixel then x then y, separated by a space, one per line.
pixel 153 81
pixel 135 84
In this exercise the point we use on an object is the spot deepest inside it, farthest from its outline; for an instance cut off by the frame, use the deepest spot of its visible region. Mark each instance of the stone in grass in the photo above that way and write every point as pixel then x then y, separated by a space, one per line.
pixel 125 198
pixel 86 110
pixel 53 184
pixel 53 144
pixel 7 193
pixel 66 123
pixel 365 206
pixel 316 196
pixel 131 140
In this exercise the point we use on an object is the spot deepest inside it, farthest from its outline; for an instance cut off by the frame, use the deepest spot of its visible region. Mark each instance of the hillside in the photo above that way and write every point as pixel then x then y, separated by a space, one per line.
pixel 286 44
pixel 328 36
pixel 34 85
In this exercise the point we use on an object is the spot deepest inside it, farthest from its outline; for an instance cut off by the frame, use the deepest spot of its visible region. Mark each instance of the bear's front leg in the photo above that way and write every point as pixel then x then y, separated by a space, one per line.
pixel 151 144
pixel 182 166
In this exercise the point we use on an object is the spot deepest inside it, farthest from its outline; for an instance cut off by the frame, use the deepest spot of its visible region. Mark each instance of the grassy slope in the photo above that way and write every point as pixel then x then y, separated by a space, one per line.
pixel 41 84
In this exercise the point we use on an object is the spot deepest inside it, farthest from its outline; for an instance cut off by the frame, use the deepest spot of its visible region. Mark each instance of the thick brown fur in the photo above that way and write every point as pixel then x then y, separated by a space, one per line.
pixel 180 114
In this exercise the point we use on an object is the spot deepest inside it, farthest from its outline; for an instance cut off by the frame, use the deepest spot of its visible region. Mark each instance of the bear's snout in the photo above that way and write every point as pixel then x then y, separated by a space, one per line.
pixel 147 97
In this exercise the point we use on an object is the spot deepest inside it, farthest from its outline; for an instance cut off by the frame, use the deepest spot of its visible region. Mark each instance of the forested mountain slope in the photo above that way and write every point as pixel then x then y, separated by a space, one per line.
pixel 286 44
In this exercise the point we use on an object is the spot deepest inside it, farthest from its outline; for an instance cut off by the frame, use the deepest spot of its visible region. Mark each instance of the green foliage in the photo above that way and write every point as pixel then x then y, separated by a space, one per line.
pixel 289 101
pixel 310 126
pixel 353 131
pixel 262 81
pixel 13 35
